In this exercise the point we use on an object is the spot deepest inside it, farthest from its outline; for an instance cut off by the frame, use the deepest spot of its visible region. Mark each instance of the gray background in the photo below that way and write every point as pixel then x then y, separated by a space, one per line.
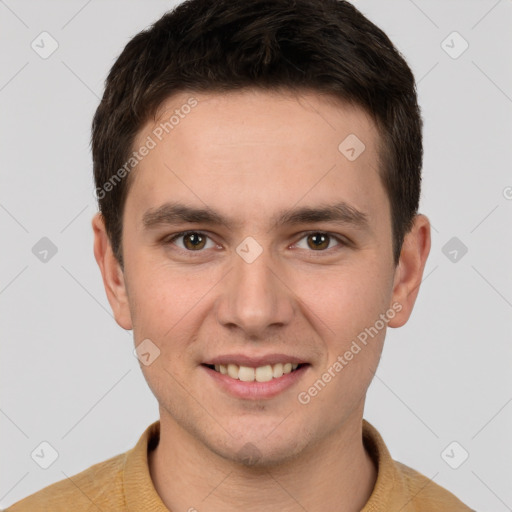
pixel 68 374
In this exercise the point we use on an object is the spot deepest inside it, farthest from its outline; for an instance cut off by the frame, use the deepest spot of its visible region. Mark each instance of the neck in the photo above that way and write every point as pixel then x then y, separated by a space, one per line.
pixel 333 474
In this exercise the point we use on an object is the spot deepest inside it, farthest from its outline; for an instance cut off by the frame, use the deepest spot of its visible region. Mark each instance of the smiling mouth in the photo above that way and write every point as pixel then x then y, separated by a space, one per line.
pixel 260 374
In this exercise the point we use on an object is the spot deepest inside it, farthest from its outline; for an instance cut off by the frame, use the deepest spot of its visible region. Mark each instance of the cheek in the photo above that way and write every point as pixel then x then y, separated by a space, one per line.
pixel 347 300
pixel 159 299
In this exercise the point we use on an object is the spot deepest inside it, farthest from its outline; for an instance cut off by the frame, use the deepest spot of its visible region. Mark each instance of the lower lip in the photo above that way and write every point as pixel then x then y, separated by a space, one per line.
pixel 256 390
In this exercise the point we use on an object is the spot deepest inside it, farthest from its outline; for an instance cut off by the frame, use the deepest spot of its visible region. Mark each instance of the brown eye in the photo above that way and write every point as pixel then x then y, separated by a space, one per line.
pixel 193 241
pixel 318 241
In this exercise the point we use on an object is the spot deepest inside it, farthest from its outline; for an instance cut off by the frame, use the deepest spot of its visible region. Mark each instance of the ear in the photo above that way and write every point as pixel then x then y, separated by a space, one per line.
pixel 409 271
pixel 112 274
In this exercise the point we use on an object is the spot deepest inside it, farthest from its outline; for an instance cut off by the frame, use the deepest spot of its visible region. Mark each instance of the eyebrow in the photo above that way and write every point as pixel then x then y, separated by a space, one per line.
pixel 177 213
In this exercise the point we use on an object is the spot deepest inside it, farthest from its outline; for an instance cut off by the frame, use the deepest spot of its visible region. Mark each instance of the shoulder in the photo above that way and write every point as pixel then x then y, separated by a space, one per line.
pixel 426 495
pixel 400 487
pixel 98 486
pixel 108 485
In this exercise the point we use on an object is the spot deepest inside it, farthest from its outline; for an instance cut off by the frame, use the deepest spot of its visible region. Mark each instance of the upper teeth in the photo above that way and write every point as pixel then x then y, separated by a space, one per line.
pixel 260 374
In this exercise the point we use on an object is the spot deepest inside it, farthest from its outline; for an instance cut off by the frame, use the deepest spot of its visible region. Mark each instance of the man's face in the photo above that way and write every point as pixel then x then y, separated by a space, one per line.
pixel 255 292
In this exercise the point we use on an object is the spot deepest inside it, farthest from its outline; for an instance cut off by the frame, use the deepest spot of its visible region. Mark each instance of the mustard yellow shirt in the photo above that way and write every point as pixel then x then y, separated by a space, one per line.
pixel 123 483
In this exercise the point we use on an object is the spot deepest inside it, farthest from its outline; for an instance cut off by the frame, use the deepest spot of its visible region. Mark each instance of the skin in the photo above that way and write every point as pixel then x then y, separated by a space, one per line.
pixel 249 155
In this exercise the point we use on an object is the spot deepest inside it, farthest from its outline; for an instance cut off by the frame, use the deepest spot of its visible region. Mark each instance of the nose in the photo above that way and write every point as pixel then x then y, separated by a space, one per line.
pixel 255 297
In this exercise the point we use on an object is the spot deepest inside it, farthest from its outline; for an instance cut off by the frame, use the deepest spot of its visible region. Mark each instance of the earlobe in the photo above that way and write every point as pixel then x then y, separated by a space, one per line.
pixel 112 274
pixel 409 271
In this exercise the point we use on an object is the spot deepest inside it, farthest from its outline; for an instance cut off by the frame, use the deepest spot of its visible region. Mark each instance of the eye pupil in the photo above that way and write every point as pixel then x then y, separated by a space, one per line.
pixel 195 239
pixel 320 240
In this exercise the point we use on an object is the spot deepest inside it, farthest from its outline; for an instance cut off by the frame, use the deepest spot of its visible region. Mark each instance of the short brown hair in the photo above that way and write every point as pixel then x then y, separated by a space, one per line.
pixel 223 45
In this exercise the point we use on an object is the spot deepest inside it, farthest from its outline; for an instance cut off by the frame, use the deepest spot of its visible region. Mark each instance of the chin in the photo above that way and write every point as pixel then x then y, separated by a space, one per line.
pixel 259 457
pixel 259 451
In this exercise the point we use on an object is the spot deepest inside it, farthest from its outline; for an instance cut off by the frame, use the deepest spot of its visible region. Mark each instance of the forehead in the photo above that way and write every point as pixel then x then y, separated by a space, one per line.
pixel 256 151
pixel 255 116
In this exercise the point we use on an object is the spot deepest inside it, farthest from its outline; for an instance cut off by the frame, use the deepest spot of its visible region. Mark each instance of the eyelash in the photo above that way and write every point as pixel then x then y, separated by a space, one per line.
pixel 341 241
